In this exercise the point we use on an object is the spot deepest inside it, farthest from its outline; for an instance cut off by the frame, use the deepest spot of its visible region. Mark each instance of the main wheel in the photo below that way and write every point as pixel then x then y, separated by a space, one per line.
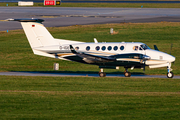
pixel 170 75
pixel 102 74
pixel 127 74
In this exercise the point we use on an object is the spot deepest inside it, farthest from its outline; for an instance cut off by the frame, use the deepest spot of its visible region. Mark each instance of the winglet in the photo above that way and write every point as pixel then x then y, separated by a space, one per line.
pixel 72 49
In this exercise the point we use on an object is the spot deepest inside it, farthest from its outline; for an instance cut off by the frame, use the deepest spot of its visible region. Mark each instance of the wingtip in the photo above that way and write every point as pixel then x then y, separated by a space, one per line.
pixel 72 49
pixel 9 19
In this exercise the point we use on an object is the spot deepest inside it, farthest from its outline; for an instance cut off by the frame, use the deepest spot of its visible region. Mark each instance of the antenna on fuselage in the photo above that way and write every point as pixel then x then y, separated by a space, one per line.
pixel 156 48
pixel 95 40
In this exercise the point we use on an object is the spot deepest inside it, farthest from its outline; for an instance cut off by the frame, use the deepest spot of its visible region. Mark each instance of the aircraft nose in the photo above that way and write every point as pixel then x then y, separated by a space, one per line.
pixel 171 58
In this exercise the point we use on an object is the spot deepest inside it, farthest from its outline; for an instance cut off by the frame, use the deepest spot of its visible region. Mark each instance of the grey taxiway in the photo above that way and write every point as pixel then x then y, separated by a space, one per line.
pixel 68 16
pixel 79 75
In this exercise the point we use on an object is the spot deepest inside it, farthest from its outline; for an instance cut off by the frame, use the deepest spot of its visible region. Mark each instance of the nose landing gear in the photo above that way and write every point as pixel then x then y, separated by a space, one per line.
pixel 169 74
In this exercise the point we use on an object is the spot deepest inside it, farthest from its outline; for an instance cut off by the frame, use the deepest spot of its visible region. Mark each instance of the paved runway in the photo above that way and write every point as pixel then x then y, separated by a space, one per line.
pixel 79 75
pixel 67 16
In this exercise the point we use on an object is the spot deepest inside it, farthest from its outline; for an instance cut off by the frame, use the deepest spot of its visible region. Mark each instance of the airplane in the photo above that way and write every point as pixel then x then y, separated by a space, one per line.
pixel 113 55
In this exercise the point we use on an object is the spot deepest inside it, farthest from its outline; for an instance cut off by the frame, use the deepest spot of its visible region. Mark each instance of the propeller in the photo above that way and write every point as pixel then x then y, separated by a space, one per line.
pixel 156 48
pixel 143 60
pixel 144 66
pixel 171 48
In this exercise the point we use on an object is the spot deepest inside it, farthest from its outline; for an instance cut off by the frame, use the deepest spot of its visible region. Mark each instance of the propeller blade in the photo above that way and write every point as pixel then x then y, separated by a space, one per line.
pixel 171 48
pixel 144 66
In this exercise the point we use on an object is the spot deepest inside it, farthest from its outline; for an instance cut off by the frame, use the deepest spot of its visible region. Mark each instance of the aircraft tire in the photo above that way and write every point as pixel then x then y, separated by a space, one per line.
pixel 170 75
pixel 127 74
pixel 102 74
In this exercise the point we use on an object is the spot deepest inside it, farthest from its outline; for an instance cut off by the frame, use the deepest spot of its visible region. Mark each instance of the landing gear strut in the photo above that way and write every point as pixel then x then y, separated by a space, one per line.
pixel 126 73
pixel 169 74
pixel 101 73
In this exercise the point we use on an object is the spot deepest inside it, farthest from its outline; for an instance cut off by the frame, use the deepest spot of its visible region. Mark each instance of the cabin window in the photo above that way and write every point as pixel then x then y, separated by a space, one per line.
pixel 115 48
pixel 122 48
pixel 135 48
pixel 109 48
pixel 76 48
pixel 97 48
pixel 88 48
pixel 103 48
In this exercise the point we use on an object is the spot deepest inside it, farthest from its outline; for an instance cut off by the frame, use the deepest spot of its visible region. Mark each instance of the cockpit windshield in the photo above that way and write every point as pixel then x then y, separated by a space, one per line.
pixel 144 47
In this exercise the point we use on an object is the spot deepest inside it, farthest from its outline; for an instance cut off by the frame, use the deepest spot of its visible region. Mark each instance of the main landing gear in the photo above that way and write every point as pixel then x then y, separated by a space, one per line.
pixel 169 74
pixel 103 74
pixel 126 73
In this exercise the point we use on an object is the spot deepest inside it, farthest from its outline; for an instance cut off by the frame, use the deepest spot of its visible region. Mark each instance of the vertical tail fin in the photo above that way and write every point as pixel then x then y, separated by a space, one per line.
pixel 40 40
pixel 36 33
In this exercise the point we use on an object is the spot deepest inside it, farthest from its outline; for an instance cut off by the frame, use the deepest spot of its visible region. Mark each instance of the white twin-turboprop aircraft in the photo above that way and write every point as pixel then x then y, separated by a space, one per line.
pixel 105 54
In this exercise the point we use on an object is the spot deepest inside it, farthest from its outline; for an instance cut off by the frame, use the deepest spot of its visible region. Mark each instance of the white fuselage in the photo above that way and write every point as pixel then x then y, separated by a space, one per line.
pixel 110 48
pixel 153 58
pixel 105 55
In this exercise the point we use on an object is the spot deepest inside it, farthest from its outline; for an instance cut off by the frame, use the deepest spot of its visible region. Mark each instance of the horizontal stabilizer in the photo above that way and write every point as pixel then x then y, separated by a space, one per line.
pixel 26 20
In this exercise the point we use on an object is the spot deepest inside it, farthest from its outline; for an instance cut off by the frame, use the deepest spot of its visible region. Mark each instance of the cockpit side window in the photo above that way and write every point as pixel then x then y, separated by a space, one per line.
pixel 144 47
pixel 140 48
pixel 135 48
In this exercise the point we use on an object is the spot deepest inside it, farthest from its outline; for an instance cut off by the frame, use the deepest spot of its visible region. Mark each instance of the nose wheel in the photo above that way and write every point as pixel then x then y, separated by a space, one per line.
pixel 169 74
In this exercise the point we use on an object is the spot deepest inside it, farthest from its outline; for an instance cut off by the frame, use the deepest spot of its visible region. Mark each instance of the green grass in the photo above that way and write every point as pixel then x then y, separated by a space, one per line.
pixel 122 5
pixel 114 5
pixel 89 98
pixel 16 54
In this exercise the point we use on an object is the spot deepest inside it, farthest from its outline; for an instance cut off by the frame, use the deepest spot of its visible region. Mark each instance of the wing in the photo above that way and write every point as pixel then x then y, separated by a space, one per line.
pixel 89 58
pixel 135 58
